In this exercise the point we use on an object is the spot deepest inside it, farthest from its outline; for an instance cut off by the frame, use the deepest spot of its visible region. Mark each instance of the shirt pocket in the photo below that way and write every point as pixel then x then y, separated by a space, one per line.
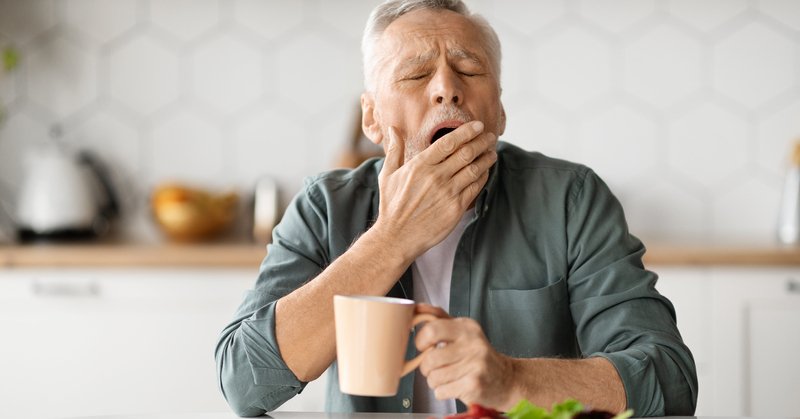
pixel 531 323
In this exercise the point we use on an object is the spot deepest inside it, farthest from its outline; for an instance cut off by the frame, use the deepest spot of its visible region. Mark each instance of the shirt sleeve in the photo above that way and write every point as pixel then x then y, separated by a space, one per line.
pixel 618 313
pixel 252 375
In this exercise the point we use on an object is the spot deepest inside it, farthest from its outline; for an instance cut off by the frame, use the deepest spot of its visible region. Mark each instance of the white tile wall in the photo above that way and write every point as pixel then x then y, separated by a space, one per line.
pixel 143 75
pixel 688 108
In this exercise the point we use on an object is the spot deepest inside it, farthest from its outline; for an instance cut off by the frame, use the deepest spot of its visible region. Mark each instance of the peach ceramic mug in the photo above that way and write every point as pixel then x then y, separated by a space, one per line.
pixel 371 338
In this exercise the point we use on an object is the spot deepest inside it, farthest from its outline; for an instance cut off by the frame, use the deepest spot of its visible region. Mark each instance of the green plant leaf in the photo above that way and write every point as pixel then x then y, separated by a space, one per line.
pixel 10 58
pixel 527 410
pixel 566 410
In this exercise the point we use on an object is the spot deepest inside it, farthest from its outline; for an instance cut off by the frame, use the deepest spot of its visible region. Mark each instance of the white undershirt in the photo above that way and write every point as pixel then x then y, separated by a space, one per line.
pixel 432 272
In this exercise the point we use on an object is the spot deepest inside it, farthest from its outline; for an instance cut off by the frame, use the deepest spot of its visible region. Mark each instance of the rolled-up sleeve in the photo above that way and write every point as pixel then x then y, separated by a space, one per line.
pixel 618 313
pixel 252 375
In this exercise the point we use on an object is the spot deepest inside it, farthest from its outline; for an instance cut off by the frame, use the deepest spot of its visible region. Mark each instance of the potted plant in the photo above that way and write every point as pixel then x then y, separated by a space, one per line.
pixel 10 60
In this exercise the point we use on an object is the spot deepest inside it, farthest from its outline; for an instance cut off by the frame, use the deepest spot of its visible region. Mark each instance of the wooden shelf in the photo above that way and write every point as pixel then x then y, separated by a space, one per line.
pixel 133 255
pixel 247 255
pixel 726 255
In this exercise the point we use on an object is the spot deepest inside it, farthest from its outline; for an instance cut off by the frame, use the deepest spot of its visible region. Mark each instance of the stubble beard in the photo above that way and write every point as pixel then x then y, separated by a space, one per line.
pixel 419 141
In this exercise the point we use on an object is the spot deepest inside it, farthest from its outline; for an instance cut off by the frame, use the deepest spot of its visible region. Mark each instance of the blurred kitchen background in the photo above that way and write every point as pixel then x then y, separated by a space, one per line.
pixel 689 109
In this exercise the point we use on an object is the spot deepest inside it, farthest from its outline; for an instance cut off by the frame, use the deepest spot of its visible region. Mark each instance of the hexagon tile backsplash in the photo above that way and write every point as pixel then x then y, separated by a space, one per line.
pixel 687 108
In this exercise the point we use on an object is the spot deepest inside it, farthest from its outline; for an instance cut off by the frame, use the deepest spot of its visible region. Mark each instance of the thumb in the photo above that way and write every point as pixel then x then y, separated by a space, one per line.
pixel 394 153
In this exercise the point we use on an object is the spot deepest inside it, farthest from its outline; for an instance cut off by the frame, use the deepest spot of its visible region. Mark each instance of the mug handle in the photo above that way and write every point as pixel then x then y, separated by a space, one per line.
pixel 412 364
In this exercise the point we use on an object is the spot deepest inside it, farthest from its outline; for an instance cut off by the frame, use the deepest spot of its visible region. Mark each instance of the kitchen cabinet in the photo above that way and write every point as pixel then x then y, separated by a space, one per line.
pixel 102 340
pixel 743 327
pixel 108 341
pixel 756 341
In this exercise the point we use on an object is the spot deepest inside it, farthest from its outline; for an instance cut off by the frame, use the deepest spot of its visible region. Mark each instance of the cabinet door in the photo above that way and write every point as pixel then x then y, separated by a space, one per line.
pixel 80 342
pixel 773 370
pixel 689 289
pixel 756 319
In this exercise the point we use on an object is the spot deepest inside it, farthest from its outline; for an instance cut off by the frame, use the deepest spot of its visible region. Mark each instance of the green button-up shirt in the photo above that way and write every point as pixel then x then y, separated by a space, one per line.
pixel 546 266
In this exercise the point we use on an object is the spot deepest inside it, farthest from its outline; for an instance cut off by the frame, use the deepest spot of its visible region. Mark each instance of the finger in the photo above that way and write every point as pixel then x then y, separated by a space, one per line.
pixel 394 153
pixel 446 374
pixel 423 308
pixel 474 171
pixel 473 190
pixel 444 330
pixel 440 357
pixel 452 390
pixel 448 144
pixel 470 151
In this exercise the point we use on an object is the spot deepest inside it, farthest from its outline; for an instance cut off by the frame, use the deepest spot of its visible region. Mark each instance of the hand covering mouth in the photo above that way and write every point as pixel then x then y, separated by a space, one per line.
pixel 443 129
pixel 441 132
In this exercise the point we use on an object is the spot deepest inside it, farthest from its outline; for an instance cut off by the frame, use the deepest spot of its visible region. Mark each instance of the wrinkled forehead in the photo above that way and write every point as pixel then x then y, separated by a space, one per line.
pixel 426 33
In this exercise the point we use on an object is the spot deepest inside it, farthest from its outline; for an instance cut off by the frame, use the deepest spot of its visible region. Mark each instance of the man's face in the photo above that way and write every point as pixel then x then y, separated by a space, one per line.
pixel 432 72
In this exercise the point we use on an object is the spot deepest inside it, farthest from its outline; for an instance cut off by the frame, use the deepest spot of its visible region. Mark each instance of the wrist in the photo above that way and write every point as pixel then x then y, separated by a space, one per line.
pixel 516 389
pixel 391 239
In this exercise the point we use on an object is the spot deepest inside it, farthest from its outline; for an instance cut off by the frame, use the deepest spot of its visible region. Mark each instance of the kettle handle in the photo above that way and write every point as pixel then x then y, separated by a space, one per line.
pixel 111 208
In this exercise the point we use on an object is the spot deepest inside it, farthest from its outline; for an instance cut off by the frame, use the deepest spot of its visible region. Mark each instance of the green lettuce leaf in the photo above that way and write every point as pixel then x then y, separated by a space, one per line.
pixel 565 410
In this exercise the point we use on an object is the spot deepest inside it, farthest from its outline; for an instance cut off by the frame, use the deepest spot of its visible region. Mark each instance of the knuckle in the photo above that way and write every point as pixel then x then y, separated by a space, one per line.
pixel 447 144
pixel 423 336
pixel 470 190
pixel 474 170
pixel 465 154
pixel 471 325
pixel 453 190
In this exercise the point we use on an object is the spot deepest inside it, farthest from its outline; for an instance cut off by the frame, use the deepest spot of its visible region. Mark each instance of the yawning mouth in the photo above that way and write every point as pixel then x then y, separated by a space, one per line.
pixel 441 132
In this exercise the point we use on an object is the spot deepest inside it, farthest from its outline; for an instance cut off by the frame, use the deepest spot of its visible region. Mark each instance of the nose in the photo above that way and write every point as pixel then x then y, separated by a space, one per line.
pixel 446 88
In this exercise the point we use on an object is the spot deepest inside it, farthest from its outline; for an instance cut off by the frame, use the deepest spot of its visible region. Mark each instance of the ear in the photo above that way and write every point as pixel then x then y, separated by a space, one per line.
pixel 502 126
pixel 369 123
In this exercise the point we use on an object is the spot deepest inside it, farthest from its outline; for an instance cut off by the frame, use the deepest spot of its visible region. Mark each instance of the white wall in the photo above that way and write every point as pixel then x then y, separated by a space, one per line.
pixel 686 107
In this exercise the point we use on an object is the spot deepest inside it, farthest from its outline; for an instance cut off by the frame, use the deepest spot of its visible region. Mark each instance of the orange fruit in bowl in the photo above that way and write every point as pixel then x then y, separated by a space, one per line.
pixel 186 213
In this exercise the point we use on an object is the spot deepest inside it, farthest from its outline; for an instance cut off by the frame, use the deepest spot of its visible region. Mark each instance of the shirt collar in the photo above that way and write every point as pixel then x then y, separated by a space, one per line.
pixel 485 197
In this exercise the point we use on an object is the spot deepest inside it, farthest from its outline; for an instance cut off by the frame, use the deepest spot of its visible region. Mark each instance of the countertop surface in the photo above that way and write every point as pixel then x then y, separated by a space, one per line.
pixel 305 415
pixel 250 255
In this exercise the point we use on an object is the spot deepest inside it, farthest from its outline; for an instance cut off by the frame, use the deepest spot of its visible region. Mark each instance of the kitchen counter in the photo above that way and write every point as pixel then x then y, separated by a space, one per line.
pixel 224 255
pixel 303 415
pixel 245 255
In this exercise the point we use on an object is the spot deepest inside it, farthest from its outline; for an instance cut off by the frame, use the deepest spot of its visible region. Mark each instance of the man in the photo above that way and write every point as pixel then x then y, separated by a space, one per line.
pixel 529 255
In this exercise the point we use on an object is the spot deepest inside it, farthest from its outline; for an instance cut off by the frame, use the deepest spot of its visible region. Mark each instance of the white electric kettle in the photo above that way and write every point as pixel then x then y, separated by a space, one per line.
pixel 64 196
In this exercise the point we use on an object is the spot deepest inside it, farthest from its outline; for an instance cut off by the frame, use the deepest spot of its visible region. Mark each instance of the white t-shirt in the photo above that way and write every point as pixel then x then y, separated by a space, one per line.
pixel 432 273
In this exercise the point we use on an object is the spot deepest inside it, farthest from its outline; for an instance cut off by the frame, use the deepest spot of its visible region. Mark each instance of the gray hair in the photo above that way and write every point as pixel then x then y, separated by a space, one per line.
pixel 388 12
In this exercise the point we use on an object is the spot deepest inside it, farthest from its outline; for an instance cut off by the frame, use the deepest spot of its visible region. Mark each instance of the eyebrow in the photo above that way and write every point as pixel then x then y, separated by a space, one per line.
pixel 463 54
pixel 421 59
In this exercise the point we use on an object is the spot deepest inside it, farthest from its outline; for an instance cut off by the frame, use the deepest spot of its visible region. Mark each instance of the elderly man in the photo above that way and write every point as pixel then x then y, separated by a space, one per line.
pixel 542 291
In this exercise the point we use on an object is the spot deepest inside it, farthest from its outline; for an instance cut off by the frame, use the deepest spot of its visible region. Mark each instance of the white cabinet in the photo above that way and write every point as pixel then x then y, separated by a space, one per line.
pixel 756 329
pixel 93 342
pixel 743 327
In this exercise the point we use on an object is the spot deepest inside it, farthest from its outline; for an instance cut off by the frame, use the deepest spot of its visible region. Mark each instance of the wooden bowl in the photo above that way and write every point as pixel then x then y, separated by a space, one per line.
pixel 189 214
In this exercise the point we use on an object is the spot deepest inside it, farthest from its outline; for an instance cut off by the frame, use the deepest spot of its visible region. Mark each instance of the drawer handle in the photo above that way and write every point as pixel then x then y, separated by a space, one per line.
pixel 62 289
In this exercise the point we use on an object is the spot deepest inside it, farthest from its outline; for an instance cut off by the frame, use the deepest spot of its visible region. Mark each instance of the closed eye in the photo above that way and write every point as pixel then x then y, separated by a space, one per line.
pixel 416 77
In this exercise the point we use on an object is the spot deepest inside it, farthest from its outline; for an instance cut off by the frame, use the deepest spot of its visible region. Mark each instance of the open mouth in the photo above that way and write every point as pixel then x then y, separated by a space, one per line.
pixel 441 132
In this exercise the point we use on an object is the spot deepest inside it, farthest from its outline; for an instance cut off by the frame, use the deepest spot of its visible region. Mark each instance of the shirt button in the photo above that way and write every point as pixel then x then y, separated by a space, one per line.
pixel 406 403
